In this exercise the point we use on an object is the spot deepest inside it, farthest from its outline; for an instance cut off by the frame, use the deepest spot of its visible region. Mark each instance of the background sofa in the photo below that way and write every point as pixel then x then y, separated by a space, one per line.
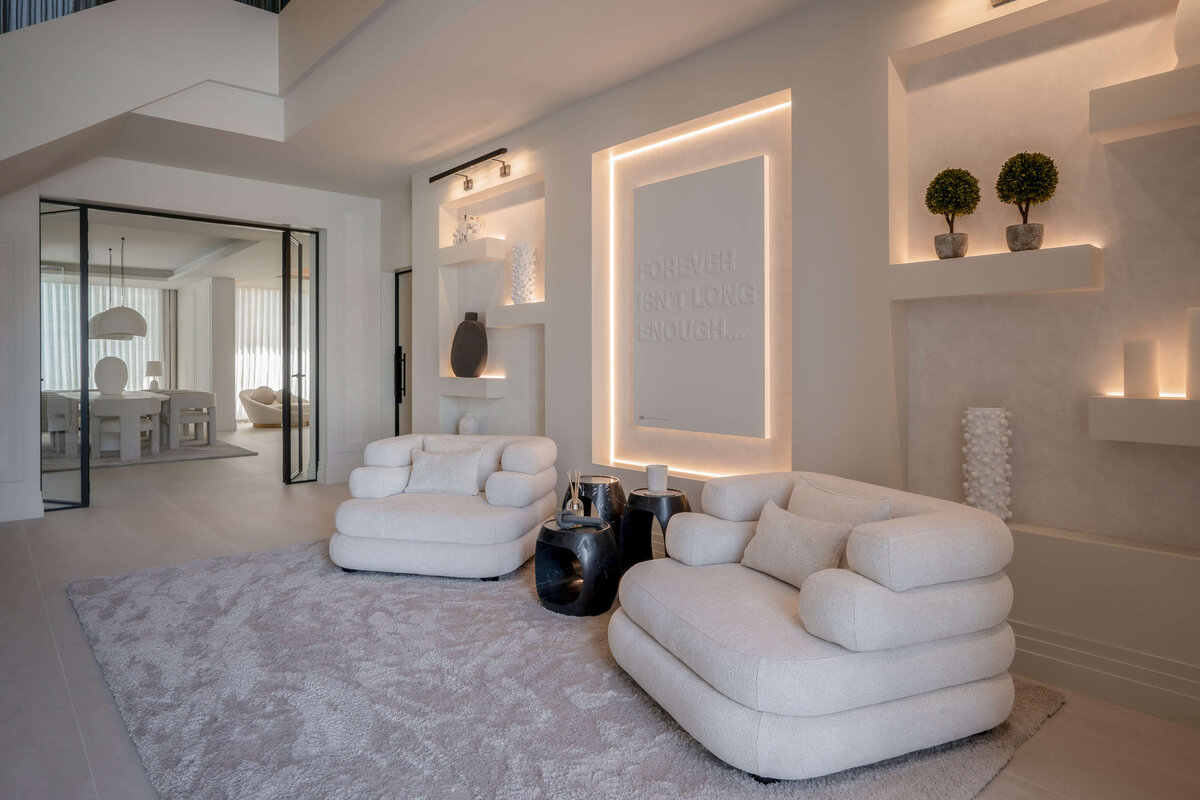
pixel 264 407
pixel 482 535
pixel 904 647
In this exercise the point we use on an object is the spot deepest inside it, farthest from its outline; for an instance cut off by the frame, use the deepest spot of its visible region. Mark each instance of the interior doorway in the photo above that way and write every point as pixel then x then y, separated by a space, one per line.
pixel 200 318
pixel 401 367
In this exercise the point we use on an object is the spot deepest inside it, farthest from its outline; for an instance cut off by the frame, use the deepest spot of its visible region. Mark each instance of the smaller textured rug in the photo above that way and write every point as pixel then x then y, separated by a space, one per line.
pixel 276 675
pixel 189 450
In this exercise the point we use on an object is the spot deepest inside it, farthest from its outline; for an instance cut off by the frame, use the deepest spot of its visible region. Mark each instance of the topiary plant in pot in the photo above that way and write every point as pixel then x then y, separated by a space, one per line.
pixel 1025 180
pixel 952 193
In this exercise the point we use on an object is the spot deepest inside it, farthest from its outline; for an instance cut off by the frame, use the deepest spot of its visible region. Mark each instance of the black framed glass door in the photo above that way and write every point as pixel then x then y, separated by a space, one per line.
pixel 300 325
pixel 63 265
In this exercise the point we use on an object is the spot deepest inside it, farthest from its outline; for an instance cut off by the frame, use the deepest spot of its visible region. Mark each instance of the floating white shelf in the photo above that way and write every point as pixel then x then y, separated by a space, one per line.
pixel 1152 420
pixel 487 388
pixel 1146 106
pixel 478 251
pixel 512 316
pixel 1077 268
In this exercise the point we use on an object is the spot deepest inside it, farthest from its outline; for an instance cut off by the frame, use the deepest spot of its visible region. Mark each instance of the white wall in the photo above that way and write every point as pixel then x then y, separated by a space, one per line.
pixel 848 418
pixel 206 344
pixel 355 353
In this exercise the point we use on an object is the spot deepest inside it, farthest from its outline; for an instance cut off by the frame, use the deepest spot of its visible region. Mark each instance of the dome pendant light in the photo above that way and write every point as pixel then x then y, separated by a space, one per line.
pixel 118 322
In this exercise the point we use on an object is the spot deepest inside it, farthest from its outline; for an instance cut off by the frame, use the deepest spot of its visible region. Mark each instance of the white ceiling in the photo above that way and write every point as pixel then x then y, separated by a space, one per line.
pixel 162 252
pixel 500 65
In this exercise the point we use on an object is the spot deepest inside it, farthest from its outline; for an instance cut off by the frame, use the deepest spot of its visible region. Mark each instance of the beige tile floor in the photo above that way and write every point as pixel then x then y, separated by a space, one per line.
pixel 62 738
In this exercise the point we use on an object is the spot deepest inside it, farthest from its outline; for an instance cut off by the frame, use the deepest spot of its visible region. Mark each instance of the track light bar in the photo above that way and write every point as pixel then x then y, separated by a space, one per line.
pixel 473 162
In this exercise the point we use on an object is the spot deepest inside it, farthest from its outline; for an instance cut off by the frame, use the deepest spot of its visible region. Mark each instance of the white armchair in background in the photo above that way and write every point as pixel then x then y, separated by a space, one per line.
pixel 264 407
pixel 486 530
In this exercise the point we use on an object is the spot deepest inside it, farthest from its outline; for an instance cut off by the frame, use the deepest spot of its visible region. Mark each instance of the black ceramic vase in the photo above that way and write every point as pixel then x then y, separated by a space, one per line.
pixel 468 351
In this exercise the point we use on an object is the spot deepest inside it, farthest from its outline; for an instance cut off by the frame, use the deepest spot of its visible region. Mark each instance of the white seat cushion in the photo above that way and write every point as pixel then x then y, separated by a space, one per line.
pixel 465 519
pixel 740 631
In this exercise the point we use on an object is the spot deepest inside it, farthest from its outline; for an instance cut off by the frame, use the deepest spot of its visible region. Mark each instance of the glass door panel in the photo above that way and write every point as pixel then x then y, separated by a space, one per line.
pixel 64 346
pixel 300 348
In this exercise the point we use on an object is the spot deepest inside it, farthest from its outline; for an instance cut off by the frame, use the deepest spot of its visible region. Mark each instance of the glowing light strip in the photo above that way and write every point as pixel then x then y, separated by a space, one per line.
pixel 715 126
pixel 612 309
pixel 675 470
pixel 612 277
pixel 767 297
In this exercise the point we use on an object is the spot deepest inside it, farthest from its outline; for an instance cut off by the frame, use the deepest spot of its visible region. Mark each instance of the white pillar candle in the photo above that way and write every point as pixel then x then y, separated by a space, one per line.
pixel 1141 368
pixel 656 477
pixel 1193 353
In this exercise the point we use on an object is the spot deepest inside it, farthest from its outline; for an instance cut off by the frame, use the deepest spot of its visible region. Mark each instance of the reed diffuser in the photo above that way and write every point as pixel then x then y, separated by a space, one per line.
pixel 574 504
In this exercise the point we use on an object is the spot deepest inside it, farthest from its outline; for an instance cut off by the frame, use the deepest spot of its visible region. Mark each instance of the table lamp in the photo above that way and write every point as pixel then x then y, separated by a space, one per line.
pixel 154 370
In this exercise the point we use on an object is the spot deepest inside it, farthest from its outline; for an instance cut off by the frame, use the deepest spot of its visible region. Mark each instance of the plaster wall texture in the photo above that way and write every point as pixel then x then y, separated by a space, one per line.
pixel 1042 356
pixel 356 351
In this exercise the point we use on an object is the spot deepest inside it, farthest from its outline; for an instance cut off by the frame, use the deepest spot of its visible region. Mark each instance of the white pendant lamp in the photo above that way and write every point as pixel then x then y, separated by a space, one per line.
pixel 118 322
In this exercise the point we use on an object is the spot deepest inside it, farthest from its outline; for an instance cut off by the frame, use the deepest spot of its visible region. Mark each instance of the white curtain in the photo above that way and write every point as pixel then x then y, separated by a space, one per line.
pixel 258 340
pixel 23 13
pixel 60 334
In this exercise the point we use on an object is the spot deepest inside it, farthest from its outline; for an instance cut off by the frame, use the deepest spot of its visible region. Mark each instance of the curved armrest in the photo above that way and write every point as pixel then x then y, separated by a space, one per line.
pixel 845 608
pixel 393 452
pixel 926 549
pixel 374 482
pixel 529 455
pixel 699 539
pixel 740 498
pixel 517 489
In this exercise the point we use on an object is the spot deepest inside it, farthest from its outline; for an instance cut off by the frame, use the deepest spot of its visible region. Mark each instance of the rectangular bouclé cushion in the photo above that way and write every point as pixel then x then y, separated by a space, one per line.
pixel 489 450
pixel 790 547
pixel 444 473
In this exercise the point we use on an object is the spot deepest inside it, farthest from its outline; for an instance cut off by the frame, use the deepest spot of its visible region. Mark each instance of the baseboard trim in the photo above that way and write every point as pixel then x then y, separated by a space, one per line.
pixel 1145 682
pixel 20 503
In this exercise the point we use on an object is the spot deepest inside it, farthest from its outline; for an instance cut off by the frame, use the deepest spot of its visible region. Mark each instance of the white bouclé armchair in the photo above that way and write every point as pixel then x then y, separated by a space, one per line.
pixel 386 527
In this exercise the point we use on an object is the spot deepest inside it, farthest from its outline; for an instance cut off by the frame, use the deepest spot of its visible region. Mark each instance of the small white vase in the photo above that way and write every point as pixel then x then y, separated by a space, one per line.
pixel 1187 33
pixel 985 460
pixel 468 424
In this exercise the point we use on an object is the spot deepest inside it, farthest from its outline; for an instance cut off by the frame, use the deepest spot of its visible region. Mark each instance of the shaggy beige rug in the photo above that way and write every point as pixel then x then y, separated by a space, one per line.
pixel 277 675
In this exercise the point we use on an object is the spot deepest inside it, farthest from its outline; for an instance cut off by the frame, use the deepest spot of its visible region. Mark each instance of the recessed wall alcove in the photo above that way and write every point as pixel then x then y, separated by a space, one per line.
pixel 476 276
pixel 1118 263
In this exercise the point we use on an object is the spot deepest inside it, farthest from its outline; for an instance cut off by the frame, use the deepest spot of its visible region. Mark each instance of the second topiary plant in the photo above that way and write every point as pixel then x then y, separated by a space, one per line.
pixel 1025 180
pixel 952 193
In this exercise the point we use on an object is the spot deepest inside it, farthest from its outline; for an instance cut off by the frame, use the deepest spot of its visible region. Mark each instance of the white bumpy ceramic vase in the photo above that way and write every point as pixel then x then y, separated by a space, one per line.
pixel 985 463
pixel 522 272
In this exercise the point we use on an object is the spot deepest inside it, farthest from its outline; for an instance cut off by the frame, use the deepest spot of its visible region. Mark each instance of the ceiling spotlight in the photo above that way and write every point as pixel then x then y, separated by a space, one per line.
pixel 468 184
pixel 505 168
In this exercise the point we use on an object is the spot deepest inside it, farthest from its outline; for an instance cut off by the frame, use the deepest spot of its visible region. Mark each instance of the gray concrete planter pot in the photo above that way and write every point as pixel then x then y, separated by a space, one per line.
pixel 1024 237
pixel 950 245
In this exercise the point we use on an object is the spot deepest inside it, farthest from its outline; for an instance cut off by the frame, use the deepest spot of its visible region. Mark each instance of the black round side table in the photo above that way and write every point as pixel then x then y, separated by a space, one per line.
pixel 602 497
pixel 577 569
pixel 643 507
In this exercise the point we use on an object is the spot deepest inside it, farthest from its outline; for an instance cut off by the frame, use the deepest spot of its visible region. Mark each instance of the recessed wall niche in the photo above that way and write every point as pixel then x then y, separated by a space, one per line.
pixel 708 311
pixel 476 276
pixel 1042 355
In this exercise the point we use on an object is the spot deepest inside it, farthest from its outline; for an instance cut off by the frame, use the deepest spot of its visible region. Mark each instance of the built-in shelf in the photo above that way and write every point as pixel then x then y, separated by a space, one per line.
pixel 487 388
pixel 1078 268
pixel 1146 106
pixel 479 251
pixel 512 316
pixel 1151 420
